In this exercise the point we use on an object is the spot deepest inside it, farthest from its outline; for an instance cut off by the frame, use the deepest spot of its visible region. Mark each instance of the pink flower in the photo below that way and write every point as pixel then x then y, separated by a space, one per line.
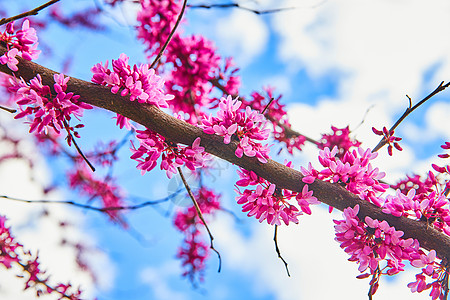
pixel 247 127
pixel 49 112
pixel 141 82
pixel 9 59
pixel 22 43
pixel 389 138
pixel 267 203
pixel 353 170
pixel 153 146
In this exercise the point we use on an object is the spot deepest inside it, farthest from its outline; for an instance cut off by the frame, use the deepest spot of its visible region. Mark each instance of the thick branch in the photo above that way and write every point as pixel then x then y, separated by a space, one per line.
pixel 181 132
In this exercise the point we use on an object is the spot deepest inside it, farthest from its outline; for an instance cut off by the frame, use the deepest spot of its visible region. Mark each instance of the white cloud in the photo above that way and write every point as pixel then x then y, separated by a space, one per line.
pixel 43 235
pixel 158 279
pixel 242 34
pixel 319 268
pixel 381 46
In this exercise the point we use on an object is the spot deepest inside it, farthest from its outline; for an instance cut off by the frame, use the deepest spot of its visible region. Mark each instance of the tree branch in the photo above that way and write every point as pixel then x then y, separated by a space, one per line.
pixel 178 131
pixel 28 13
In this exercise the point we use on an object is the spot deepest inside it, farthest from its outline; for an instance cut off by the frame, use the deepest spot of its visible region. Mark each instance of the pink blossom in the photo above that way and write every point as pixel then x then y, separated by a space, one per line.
pixel 153 146
pixel 22 43
pixel 339 138
pixel 107 191
pixel 248 127
pixel 389 139
pixel 266 202
pixel 50 112
pixel 9 59
pixel 353 170
pixel 140 82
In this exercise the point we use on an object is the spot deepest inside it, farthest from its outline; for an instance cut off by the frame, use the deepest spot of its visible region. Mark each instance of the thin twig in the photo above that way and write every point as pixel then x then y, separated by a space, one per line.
pixel 200 215
pixel 158 57
pixel 28 13
pixel 89 207
pixel 10 110
pixel 410 109
pixel 267 106
pixel 72 139
pixel 275 239
pixel 237 5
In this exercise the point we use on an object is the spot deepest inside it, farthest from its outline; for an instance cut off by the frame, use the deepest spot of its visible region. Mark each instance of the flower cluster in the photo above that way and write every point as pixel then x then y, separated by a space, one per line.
pixel 426 204
pixel 276 114
pixel 35 99
pixel 352 170
pixel 194 251
pixel 372 243
pixel 141 83
pixel 266 202
pixel 21 43
pixel 339 138
pixel 389 139
pixel 195 64
pixel 106 190
pixel 13 255
pixel 155 21
pixel 153 145
pixel 247 127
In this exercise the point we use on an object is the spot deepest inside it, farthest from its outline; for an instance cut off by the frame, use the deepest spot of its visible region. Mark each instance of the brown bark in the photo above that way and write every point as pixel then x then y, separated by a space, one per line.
pixel 283 177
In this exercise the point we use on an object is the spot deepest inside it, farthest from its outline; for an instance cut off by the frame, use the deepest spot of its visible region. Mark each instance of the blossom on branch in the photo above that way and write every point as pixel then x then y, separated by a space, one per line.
pixel 153 145
pixel 48 111
pixel 354 171
pixel 22 42
pixel 247 127
pixel 140 83
pixel 389 139
pixel 266 202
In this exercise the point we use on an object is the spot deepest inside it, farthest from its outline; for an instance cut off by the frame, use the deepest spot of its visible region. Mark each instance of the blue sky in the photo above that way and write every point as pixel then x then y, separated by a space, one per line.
pixel 333 60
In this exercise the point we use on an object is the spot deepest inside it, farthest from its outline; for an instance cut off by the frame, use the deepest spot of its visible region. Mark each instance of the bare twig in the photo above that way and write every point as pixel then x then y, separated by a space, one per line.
pixel 90 207
pixel 275 239
pixel 200 215
pixel 267 106
pixel 72 139
pixel 10 110
pixel 237 5
pixel 158 57
pixel 410 109
pixel 28 13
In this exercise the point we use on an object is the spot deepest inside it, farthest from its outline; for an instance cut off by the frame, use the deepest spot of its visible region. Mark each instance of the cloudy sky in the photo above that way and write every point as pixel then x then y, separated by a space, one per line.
pixel 338 63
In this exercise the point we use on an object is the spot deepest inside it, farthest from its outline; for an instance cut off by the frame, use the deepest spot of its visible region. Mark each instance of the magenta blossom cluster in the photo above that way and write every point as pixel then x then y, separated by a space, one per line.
pixel 266 202
pixel 194 252
pixel 247 127
pixel 111 195
pixel 196 63
pixel 140 83
pixel 14 256
pixel 156 19
pixel 276 114
pixel 153 145
pixel 389 139
pixel 353 170
pixel 379 249
pixel 432 206
pixel 21 43
pixel 339 138
pixel 48 111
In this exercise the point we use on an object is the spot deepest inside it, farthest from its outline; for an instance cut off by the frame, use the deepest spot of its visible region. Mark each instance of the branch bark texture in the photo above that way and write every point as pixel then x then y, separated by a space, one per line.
pixel 179 131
